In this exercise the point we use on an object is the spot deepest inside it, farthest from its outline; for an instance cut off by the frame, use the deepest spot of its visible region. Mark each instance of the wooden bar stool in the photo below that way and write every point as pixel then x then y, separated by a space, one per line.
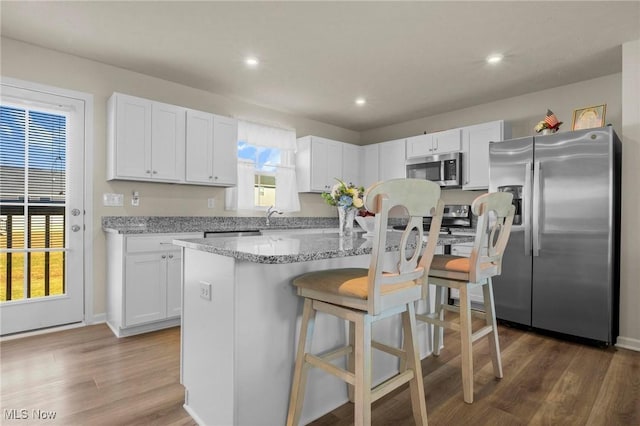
pixel 495 216
pixel 363 296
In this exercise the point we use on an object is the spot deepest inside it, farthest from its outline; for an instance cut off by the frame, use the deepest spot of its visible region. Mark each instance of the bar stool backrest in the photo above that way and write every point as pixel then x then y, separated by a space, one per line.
pixel 420 198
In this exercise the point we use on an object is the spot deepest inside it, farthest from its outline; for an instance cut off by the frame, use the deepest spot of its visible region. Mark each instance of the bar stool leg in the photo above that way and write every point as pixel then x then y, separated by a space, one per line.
pixel 466 347
pixel 351 359
pixel 490 314
pixel 301 368
pixel 418 404
pixel 438 332
pixel 362 403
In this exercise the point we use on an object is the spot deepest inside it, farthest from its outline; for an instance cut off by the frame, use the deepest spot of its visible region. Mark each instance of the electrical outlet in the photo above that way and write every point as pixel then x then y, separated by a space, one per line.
pixel 112 200
pixel 211 202
pixel 205 290
pixel 135 199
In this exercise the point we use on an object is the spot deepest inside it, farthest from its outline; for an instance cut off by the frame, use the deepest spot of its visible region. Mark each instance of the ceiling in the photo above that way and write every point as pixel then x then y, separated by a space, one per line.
pixel 408 59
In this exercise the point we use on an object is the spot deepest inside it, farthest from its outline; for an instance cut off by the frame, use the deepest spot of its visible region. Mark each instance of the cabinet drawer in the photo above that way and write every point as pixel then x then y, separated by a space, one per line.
pixel 156 242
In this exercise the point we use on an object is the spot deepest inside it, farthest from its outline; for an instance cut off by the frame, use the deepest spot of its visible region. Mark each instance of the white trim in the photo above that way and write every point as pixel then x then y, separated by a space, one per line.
pixel 87 99
pixel 628 343
pixel 42 331
pixel 98 319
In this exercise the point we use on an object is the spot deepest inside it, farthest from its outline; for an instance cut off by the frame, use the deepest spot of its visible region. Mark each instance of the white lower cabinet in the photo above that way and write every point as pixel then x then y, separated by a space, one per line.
pixel 143 282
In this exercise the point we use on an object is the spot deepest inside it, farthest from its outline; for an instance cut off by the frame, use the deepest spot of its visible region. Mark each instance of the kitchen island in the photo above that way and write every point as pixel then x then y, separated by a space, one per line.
pixel 240 319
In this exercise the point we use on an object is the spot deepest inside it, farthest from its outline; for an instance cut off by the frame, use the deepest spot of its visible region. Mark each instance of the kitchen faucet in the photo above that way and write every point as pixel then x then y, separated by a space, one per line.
pixel 270 211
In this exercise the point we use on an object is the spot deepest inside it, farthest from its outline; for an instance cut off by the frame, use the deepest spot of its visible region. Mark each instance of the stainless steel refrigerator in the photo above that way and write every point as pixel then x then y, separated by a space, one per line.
pixel 560 270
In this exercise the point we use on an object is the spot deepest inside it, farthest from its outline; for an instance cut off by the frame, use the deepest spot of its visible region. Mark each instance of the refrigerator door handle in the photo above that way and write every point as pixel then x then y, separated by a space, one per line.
pixel 536 208
pixel 526 208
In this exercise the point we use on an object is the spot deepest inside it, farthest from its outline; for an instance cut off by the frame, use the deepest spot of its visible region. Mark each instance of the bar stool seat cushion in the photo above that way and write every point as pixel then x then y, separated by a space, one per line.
pixel 349 282
pixel 457 267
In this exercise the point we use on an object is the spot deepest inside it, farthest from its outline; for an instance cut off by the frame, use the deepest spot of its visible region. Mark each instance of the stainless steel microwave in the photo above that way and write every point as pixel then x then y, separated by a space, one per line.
pixel 443 169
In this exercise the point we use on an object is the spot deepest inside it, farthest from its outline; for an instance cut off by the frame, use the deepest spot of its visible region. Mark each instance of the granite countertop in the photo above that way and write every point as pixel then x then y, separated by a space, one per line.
pixel 278 249
pixel 183 224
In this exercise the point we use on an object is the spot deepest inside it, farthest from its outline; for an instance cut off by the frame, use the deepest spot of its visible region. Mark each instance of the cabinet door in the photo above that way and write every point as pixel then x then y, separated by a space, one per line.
pixel 319 160
pixel 369 165
pixel 419 146
pixel 145 288
pixel 351 164
pixel 334 163
pixel 392 160
pixel 132 132
pixel 199 147
pixel 167 142
pixel 225 151
pixel 447 141
pixel 174 283
pixel 476 153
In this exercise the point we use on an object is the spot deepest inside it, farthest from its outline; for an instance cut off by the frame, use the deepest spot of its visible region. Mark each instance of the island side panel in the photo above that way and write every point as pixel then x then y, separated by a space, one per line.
pixel 268 321
pixel 208 338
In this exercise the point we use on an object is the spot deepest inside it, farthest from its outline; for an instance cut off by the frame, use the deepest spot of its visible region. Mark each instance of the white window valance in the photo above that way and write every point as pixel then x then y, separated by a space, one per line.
pixel 261 135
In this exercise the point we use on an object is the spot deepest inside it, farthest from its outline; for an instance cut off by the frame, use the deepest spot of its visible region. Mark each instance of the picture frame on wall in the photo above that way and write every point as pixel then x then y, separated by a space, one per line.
pixel 589 117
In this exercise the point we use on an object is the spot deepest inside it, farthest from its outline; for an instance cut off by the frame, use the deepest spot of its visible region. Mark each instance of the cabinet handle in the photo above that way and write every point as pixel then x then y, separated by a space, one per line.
pixel 215 177
pixel 210 177
pixel 170 256
pixel 155 172
pixel 148 171
pixel 164 256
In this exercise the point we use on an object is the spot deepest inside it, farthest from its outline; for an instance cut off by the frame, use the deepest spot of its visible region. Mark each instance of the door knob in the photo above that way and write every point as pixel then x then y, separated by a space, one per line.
pixel 75 228
pixel 75 212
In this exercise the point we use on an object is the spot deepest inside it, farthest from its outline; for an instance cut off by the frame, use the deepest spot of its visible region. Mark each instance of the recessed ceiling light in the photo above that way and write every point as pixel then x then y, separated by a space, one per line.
pixel 361 101
pixel 252 62
pixel 495 58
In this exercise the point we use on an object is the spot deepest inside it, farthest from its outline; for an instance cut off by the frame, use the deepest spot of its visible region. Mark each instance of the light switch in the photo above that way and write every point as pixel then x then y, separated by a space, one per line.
pixel 211 202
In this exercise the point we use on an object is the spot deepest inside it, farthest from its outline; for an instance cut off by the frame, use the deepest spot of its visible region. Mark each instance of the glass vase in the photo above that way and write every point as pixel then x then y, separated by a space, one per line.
pixel 346 217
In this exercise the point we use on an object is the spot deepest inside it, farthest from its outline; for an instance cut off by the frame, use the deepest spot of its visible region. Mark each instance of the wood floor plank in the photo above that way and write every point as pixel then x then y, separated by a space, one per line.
pixel 618 400
pixel 90 377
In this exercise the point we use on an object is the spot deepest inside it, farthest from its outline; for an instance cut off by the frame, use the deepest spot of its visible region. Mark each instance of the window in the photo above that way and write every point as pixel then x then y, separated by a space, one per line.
pixel 32 202
pixel 266 169
pixel 265 161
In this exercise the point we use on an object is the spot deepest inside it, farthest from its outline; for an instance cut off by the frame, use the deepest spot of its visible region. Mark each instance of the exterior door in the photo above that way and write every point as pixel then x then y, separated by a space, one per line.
pixel 41 210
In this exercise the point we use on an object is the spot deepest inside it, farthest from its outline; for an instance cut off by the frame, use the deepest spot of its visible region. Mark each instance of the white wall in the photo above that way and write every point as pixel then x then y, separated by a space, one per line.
pixel 630 238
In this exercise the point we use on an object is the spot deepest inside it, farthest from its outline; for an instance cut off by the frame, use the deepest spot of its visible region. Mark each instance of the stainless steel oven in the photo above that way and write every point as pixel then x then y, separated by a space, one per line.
pixel 443 169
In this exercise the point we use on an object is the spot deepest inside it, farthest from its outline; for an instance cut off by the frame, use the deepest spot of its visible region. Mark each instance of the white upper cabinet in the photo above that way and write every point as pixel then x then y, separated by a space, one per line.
pixel 420 146
pixel 434 143
pixel 318 163
pixel 167 142
pixel 369 165
pixel 475 159
pixel 145 140
pixel 351 164
pixel 211 149
pixel 225 150
pixel 391 162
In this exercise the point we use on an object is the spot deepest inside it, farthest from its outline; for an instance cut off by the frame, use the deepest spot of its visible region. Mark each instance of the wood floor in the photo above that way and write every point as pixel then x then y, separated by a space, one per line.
pixel 89 377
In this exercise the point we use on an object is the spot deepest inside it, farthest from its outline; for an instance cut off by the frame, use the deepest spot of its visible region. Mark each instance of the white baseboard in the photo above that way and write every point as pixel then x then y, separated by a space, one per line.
pixel 98 319
pixel 628 343
pixel 193 414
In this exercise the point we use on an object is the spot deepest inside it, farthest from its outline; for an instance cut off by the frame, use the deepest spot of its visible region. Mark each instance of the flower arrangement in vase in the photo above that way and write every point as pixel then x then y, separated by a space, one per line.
pixel 348 199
